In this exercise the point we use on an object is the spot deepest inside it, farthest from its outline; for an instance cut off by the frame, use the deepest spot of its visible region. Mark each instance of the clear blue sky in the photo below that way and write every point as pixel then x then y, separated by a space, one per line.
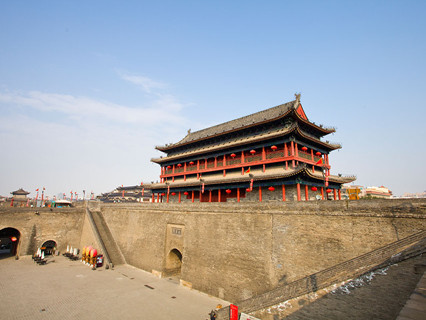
pixel 88 88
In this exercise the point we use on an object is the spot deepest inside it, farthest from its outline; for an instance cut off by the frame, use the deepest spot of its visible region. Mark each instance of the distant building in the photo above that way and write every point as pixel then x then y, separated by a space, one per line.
pixel 127 194
pixel 20 195
pixel 414 195
pixel 352 192
pixel 377 192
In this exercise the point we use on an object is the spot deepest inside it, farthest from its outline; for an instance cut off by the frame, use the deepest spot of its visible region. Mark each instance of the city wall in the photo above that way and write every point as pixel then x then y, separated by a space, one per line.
pixel 233 251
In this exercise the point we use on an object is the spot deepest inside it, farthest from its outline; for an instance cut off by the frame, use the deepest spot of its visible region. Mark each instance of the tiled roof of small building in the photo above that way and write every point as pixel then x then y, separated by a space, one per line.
pixel 20 191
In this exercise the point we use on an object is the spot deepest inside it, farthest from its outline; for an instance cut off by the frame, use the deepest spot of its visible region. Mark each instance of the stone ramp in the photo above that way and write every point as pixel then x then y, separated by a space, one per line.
pixel 392 253
pixel 105 238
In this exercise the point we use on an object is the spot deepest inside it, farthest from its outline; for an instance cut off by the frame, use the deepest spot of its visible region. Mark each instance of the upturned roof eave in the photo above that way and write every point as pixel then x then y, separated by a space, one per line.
pixel 247 178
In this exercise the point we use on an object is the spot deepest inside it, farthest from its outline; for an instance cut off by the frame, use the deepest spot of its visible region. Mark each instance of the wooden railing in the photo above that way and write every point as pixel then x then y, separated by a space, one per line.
pixel 270 156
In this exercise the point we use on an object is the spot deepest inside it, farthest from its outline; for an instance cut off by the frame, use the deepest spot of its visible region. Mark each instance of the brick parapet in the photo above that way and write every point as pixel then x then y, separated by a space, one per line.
pixel 394 208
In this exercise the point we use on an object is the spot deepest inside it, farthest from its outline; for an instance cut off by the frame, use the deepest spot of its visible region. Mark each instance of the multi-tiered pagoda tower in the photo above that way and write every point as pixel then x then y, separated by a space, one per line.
pixel 274 154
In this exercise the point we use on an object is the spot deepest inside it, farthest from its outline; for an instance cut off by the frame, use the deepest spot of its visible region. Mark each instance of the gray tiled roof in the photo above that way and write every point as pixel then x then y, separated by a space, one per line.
pixel 258 117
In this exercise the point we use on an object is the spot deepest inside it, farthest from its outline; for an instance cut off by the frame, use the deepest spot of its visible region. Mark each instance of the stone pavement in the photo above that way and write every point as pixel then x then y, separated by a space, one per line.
pixel 379 296
pixel 64 289
pixel 415 307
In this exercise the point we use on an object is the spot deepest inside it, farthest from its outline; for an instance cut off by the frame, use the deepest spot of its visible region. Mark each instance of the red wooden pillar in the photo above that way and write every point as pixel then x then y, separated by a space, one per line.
pixel 340 195
pixel 153 199
pixel 173 170
pixel 292 153
pixel 210 196
pixel 224 160
pixel 285 150
pixel 205 165
pixel 298 192
pixel 335 194
pixel 167 197
pixel 192 195
pixel 260 194
pixel 286 165
pixel 306 192
pixel 158 197
pixel 184 167
pixel 242 156
pixel 264 168
pixel 242 171
pixel 198 165
pixel 218 195
pixel 283 186
pixel 215 162
pixel 179 196
pixel 313 169
pixel 238 194
pixel 263 153
pixel 312 154
pixel 224 172
pixel 322 193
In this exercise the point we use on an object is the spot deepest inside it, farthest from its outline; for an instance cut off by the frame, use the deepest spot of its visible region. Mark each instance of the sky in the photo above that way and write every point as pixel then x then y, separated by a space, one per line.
pixel 89 88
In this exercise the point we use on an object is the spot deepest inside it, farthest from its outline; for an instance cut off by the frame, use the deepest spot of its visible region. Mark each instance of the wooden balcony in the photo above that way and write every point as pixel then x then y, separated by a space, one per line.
pixel 229 162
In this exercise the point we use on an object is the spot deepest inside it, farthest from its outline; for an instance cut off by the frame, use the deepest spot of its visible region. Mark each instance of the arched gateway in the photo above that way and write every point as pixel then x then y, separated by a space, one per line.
pixel 49 247
pixel 9 242
pixel 174 263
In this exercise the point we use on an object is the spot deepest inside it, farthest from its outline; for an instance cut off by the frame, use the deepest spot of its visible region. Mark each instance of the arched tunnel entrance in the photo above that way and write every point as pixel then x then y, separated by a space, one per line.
pixel 9 242
pixel 173 263
pixel 49 247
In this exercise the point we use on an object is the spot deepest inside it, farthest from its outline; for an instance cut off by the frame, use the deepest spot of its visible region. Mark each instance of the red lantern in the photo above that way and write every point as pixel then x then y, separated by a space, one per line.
pixel 304 148
pixel 14 239
pixel 228 191
pixel 169 167
pixel 179 165
pixel 318 153
pixel 248 189
pixel 162 194
pixel 191 162
pixel 233 155
pixel 328 190
pixel 252 151
pixel 271 188
pixel 185 193
pixel 314 188
pixel 173 193
pixel 274 148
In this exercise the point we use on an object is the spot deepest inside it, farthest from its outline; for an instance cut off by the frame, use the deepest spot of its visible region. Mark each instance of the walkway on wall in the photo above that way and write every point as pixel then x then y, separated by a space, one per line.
pixel 105 238
pixel 392 253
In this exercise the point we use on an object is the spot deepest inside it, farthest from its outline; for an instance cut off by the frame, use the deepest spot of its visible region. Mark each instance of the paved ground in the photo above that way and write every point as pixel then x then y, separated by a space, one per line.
pixel 65 289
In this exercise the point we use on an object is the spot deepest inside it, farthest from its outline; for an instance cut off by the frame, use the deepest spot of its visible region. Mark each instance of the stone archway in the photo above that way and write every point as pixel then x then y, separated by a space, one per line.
pixel 9 242
pixel 173 263
pixel 49 247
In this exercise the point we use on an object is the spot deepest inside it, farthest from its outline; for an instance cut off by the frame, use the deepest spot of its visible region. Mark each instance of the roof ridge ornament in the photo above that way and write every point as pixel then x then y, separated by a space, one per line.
pixel 297 101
